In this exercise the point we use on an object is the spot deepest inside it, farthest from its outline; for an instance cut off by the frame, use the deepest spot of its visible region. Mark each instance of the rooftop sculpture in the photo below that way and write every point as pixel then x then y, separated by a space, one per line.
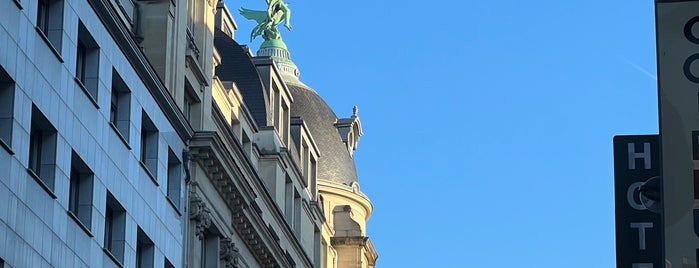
pixel 267 21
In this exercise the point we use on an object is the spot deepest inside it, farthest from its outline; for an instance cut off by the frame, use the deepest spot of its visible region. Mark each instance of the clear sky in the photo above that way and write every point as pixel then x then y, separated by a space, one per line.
pixel 488 125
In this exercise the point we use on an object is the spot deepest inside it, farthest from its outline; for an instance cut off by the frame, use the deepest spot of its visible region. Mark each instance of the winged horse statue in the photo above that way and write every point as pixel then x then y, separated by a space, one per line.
pixel 267 21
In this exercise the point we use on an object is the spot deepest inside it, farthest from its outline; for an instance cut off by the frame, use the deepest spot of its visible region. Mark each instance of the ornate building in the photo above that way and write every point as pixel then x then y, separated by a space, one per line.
pixel 207 156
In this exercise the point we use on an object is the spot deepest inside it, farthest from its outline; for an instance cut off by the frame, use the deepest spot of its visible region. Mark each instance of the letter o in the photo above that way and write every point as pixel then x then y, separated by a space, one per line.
pixel 688 30
pixel 631 196
pixel 687 68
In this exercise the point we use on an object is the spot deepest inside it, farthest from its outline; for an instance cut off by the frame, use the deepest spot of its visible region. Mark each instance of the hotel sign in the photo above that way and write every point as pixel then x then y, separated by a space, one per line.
pixel 636 191
pixel 677 32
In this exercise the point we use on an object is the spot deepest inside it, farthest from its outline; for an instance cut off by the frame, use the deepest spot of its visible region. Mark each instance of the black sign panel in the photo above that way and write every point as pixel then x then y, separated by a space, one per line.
pixel 636 195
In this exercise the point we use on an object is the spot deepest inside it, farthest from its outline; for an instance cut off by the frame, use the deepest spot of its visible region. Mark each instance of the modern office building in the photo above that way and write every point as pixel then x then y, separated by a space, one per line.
pixel 91 170
pixel 142 134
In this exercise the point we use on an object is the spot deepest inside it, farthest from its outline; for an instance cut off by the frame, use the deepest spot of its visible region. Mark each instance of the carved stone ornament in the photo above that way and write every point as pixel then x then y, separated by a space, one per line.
pixel 229 254
pixel 200 214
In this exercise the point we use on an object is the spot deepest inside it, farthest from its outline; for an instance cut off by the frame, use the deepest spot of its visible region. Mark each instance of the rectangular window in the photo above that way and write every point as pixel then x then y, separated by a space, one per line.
pixel 289 200
pixel 210 250
pixel 80 191
pixel 303 158
pixel 317 247
pixel 114 229
pixel 87 62
pixel 7 108
pixel 114 107
pixel 42 150
pixel 284 123
pixel 312 175
pixel 275 108
pixel 247 144
pixel 305 162
pixel 149 146
pixel 80 62
pixel 144 250
pixel 174 178
pixel 42 16
pixel 120 108
pixel 191 103
pixel 297 213
pixel 187 109
pixel 49 21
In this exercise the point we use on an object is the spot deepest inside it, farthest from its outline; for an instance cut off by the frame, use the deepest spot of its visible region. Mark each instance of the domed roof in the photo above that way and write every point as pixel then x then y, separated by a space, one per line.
pixel 335 163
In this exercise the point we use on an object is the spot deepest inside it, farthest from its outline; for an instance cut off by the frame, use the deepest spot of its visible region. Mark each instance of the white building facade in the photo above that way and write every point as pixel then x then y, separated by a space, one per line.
pixel 93 146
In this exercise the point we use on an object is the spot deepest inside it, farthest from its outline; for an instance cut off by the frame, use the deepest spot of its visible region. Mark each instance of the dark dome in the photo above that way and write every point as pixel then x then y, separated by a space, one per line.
pixel 335 163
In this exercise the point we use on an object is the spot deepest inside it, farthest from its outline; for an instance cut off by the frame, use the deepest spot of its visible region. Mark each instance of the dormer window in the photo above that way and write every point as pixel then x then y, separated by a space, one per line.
pixel 350 130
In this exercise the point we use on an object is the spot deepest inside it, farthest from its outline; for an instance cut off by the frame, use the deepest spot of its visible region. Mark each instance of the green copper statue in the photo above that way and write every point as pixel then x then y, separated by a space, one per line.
pixel 267 21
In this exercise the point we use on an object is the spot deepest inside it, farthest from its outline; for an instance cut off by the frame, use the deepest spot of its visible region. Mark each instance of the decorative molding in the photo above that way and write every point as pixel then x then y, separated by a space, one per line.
pixel 360 242
pixel 191 44
pixel 229 254
pixel 200 214
pixel 349 241
pixel 350 130
pixel 205 148
pixel 213 4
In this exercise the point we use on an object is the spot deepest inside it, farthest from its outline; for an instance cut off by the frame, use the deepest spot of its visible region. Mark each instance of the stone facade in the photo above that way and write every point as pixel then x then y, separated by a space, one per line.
pixel 141 134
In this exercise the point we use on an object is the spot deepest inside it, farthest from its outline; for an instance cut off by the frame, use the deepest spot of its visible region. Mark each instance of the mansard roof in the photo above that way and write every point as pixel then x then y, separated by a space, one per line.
pixel 237 66
pixel 335 163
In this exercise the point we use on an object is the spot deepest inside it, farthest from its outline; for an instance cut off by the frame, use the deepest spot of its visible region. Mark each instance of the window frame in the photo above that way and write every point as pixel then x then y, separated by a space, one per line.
pixel 87 64
pixel 121 121
pixel 114 227
pixel 80 193
pixel 41 164
pixel 43 16
pixel 145 249
pixel 149 147
pixel 49 24
pixel 174 180
pixel 7 109
pixel 80 62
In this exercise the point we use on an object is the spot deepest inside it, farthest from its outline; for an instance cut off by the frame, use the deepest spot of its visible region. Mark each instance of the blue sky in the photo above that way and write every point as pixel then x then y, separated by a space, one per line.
pixel 488 124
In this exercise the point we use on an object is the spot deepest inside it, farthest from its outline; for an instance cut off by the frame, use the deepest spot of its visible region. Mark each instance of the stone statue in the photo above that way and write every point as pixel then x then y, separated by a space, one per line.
pixel 267 21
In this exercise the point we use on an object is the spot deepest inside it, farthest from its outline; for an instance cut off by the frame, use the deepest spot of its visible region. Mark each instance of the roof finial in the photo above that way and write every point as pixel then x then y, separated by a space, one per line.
pixel 355 111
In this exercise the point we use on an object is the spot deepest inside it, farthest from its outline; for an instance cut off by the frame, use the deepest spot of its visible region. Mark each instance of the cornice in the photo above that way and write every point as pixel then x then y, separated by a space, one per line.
pixel 247 170
pixel 207 149
pixel 122 37
pixel 349 241
pixel 362 242
pixel 350 192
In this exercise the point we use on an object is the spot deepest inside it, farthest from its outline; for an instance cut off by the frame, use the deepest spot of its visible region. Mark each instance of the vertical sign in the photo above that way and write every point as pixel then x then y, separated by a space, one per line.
pixel 638 228
pixel 677 32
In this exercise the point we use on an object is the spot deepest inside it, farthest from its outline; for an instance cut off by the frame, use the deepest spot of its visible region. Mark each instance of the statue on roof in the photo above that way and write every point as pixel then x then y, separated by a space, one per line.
pixel 267 21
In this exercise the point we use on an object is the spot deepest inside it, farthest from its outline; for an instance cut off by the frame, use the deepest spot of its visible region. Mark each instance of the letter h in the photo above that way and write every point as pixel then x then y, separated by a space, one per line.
pixel 633 155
